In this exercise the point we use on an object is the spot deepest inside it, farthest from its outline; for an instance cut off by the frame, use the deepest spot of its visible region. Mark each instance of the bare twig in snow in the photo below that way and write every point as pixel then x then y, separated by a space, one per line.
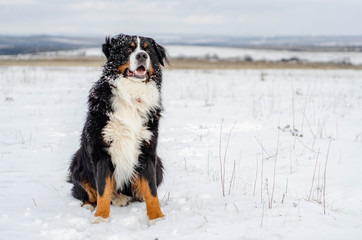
pixel 22 138
pixel 237 209
pixel 262 148
pixel 256 174
pixel 325 179
pixel 319 188
pixel 292 88
pixel 261 174
pixel 286 191
pixel 284 194
pixel 275 166
pixel 221 170
pixel 227 146
pixel 315 168
pixel 262 216
pixel 267 191
pixel 310 149
pixel 232 177
pixel 311 130
pixel 223 163
pixel 290 161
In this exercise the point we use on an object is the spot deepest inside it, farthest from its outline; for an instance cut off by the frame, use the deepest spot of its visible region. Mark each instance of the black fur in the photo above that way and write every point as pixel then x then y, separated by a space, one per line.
pixel 91 163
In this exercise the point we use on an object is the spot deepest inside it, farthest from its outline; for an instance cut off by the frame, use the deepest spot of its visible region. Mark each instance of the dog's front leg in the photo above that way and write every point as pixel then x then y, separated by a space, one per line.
pixel 105 185
pixel 145 184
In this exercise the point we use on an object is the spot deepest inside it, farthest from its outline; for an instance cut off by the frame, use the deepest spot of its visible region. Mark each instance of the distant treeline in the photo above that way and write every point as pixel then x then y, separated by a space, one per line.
pixel 12 45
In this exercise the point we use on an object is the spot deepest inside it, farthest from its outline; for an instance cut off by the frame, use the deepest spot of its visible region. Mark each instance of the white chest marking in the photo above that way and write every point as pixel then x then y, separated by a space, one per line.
pixel 125 130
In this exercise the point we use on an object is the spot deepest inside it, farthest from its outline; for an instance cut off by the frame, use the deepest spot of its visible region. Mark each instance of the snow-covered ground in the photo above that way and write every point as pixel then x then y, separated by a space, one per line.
pixel 223 53
pixel 268 187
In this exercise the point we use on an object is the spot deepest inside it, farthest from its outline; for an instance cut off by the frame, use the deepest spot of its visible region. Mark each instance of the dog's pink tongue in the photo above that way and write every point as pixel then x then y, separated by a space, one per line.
pixel 129 73
pixel 141 71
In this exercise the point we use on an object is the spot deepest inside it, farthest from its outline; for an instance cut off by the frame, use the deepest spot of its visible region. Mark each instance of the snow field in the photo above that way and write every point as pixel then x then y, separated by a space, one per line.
pixel 43 110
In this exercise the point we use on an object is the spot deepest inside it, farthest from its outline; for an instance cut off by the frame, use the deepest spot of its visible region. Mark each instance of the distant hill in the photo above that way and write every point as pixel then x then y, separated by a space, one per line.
pixel 293 43
pixel 12 45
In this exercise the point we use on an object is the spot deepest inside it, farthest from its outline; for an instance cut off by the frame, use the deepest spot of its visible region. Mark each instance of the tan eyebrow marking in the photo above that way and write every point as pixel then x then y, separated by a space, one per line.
pixel 133 44
pixel 145 44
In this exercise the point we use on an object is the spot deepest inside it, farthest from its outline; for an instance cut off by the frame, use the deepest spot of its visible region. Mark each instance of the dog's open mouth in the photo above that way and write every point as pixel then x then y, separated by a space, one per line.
pixel 139 73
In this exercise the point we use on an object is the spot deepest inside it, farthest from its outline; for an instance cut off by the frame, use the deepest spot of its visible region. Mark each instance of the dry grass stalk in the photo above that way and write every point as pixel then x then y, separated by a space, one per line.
pixel 223 163
pixel 315 168
pixel 325 179
pixel 256 174
pixel 275 166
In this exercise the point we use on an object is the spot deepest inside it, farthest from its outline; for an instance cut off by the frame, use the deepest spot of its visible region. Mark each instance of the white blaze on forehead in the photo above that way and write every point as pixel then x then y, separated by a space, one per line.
pixel 138 44
pixel 134 64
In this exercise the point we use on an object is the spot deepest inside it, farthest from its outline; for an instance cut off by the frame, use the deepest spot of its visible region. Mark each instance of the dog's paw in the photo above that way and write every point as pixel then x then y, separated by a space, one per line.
pixel 120 200
pixel 96 220
pixel 154 221
pixel 88 206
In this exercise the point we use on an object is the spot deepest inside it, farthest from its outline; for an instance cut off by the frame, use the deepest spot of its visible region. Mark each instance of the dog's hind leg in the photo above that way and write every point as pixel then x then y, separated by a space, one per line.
pixel 105 185
pixel 91 202
pixel 86 193
pixel 84 188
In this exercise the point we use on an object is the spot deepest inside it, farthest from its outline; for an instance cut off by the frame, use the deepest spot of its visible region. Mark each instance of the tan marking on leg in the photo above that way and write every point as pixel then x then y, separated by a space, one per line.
pixel 152 202
pixel 92 193
pixel 104 201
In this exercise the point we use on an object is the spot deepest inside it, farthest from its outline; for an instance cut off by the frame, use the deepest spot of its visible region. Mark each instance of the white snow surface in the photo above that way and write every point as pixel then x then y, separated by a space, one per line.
pixel 42 111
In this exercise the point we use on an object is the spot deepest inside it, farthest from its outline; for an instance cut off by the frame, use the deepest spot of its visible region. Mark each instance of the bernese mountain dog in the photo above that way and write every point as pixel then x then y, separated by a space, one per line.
pixel 117 160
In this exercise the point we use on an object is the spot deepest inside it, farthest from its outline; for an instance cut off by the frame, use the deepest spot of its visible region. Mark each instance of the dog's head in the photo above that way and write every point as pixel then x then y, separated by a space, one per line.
pixel 136 58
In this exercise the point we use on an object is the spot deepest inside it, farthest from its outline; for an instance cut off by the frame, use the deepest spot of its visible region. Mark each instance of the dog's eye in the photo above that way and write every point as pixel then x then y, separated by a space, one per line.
pixel 129 50
pixel 148 51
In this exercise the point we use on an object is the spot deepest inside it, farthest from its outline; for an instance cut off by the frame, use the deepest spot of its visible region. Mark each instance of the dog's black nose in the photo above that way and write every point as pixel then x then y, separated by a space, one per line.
pixel 141 56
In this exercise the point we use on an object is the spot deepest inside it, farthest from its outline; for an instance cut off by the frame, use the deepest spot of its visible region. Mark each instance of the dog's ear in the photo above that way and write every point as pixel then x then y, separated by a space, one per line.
pixel 106 47
pixel 160 51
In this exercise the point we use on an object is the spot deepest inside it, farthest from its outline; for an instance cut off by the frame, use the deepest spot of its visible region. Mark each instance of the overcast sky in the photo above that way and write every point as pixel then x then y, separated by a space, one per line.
pixel 221 17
